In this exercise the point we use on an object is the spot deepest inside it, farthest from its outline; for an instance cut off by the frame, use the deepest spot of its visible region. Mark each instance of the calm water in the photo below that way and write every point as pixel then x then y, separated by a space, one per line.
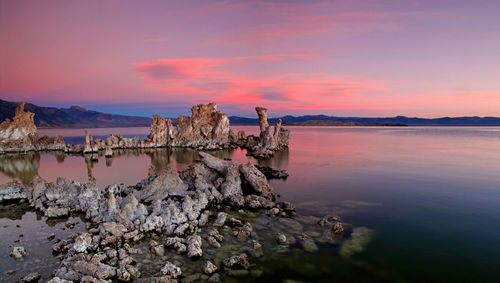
pixel 431 196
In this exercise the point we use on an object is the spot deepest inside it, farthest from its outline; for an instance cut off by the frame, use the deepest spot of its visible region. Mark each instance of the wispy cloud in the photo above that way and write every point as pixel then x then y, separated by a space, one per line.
pixel 211 79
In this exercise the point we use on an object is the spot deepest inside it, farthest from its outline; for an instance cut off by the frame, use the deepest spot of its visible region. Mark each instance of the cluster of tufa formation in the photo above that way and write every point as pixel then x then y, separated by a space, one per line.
pixel 20 134
pixel 272 138
pixel 175 205
pixel 207 128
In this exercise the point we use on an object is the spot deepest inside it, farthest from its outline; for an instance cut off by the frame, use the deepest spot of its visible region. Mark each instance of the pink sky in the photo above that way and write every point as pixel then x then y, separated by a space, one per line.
pixel 345 58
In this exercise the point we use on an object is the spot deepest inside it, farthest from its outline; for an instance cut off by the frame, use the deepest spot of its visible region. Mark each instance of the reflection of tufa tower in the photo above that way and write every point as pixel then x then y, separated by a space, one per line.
pixel 25 166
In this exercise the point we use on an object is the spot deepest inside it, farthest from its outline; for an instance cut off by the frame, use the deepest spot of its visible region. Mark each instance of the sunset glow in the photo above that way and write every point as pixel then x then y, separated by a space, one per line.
pixel 345 58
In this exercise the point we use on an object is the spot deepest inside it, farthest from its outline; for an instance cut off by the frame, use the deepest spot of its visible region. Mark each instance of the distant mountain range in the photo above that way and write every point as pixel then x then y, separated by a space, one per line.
pixel 74 116
pixel 399 120
pixel 79 117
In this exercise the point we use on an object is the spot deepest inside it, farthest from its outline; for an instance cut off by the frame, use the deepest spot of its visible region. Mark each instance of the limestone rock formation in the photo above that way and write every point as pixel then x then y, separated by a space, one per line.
pixel 272 137
pixel 207 128
pixel 21 133
pixel 161 131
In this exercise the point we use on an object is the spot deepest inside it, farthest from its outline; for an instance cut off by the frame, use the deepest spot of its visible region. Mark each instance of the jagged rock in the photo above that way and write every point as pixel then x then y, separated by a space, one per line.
pixel 167 183
pixel 219 165
pixel 209 267
pixel 194 246
pixel 99 270
pixel 206 128
pixel 221 219
pixel 244 232
pixel 257 181
pixel 156 248
pixel 54 212
pixel 21 133
pixel 334 223
pixel 161 131
pixel 82 242
pixel 237 261
pixel 170 270
pixel 337 228
pixel 18 252
pixel 271 138
pixel 12 191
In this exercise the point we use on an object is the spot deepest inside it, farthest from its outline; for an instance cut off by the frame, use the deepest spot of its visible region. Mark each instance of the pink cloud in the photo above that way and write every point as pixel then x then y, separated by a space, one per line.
pixel 212 79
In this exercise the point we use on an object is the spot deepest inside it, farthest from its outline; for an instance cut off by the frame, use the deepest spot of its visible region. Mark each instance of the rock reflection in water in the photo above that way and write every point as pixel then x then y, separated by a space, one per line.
pixel 14 211
pixel 21 166
pixel 26 166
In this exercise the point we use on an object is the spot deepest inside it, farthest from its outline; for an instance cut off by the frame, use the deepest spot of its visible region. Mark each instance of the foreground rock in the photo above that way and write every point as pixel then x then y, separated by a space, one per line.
pixel 174 204
pixel 174 216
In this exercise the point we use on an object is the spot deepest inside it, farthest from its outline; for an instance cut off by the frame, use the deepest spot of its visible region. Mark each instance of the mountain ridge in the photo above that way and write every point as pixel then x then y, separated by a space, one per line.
pixel 72 117
pixel 79 117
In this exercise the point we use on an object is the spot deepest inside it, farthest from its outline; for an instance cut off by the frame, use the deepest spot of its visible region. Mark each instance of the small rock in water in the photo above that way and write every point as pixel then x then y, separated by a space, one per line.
pixel 236 261
pixel 209 267
pixel 51 237
pixel 18 252
pixel 215 278
pixel 31 277
pixel 281 239
pixel 194 246
pixel 221 219
pixel 308 243
pixel 337 228
pixel 156 248
pixel 171 270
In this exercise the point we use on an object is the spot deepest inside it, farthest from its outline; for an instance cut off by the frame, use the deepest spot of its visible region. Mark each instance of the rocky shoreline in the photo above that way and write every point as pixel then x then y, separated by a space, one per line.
pixel 195 223
pixel 206 129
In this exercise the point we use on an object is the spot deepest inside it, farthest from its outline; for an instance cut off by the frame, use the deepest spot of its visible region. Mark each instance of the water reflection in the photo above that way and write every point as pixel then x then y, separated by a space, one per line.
pixel 20 166
pixel 127 166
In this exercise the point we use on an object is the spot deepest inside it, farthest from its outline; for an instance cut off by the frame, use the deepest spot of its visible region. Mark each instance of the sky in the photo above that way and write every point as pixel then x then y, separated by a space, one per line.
pixel 344 58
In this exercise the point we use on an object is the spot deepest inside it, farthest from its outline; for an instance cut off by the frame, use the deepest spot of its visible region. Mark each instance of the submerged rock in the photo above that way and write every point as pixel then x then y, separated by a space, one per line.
pixel 281 239
pixel 237 261
pixel 31 277
pixel 221 219
pixel 18 252
pixel 194 246
pixel 360 237
pixel 170 270
pixel 209 267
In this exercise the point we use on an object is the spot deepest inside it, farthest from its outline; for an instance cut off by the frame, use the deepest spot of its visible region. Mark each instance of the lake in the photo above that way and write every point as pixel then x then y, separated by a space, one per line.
pixel 430 197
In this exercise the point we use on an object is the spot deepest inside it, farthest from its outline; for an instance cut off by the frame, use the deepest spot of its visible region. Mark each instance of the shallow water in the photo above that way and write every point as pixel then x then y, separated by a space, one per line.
pixel 429 195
